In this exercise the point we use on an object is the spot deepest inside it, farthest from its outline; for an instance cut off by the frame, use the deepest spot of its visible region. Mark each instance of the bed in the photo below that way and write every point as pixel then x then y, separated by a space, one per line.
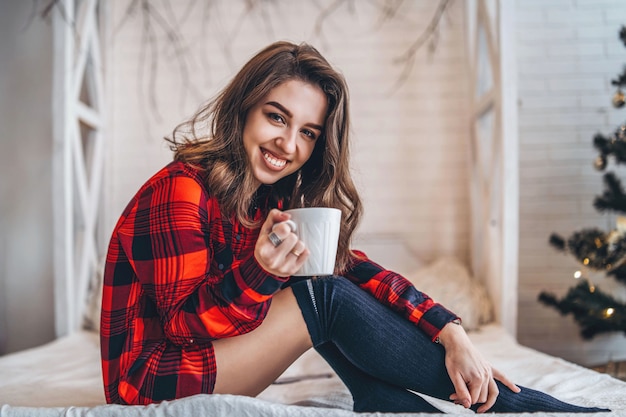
pixel 63 378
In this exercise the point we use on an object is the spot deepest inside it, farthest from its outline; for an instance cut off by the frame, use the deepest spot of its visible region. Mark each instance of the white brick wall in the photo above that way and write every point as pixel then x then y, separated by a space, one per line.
pixel 409 152
pixel 568 53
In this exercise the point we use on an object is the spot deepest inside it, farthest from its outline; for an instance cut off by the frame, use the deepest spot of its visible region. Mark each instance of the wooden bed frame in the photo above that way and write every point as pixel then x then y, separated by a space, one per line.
pixel 79 154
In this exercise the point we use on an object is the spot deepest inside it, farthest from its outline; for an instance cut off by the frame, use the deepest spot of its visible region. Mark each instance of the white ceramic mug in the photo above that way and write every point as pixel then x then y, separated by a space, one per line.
pixel 318 228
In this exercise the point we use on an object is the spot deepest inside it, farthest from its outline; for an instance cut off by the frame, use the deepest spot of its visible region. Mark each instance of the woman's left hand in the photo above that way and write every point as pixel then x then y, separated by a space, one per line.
pixel 471 375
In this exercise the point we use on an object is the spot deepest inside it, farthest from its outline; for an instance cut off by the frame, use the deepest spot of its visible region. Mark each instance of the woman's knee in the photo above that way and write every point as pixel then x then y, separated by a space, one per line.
pixel 336 283
pixel 320 300
pixel 337 289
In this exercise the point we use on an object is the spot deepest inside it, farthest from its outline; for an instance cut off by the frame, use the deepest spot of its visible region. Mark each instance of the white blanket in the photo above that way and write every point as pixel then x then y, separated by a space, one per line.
pixel 63 379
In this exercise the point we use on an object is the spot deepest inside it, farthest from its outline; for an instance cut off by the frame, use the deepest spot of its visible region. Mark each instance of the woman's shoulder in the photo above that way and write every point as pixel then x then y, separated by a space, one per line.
pixel 177 170
pixel 176 187
pixel 175 181
pixel 176 174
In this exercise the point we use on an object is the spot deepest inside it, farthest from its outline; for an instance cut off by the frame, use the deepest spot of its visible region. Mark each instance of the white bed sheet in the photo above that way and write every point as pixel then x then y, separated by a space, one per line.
pixel 63 378
pixel 65 372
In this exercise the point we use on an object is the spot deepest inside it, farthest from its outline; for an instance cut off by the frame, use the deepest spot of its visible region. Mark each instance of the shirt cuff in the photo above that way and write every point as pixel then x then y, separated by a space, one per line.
pixel 258 279
pixel 435 319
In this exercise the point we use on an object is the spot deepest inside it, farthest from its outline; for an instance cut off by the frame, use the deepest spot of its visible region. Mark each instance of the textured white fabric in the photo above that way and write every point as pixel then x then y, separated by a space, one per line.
pixel 61 373
pixel 63 379
pixel 449 282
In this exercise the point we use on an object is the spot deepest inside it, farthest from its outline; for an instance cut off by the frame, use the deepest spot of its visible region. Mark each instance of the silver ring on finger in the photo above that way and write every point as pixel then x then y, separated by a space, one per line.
pixel 276 241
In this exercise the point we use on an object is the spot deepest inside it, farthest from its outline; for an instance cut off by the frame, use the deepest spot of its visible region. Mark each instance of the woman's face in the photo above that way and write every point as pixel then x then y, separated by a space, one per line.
pixel 281 130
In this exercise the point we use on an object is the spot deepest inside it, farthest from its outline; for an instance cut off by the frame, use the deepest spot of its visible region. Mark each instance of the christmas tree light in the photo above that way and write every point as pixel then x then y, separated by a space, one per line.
pixel 601 252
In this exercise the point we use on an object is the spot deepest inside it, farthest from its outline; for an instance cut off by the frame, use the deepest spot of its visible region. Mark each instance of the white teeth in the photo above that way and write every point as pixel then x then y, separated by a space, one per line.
pixel 278 163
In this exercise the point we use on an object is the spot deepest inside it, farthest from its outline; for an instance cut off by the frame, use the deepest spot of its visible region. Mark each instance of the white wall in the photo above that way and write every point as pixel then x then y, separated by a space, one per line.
pixel 409 146
pixel 568 53
pixel 26 303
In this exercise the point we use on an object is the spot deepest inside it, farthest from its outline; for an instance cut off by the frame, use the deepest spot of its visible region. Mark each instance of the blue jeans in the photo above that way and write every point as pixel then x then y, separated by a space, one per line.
pixel 379 354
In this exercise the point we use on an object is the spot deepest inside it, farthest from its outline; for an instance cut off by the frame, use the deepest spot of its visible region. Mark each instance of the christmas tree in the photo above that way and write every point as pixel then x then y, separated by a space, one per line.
pixel 599 252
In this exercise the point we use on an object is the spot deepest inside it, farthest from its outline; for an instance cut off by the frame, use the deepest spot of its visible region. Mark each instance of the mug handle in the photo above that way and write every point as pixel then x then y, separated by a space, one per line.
pixel 290 223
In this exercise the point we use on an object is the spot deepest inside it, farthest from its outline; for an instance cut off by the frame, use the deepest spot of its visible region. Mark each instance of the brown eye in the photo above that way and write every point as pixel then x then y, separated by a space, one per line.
pixel 309 134
pixel 276 117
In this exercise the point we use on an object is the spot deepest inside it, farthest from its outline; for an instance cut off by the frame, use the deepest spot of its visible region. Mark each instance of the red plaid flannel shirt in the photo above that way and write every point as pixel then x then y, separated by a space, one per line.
pixel 178 275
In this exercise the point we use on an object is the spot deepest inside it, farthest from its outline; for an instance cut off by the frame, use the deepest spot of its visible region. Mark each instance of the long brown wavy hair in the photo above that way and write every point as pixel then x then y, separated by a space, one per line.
pixel 212 140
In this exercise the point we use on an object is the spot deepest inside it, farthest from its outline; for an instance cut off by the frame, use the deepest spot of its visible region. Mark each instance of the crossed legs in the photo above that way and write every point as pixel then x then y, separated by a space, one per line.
pixel 375 352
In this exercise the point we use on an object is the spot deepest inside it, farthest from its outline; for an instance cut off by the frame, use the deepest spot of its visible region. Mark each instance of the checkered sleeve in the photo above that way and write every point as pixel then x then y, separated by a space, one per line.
pixel 400 295
pixel 167 238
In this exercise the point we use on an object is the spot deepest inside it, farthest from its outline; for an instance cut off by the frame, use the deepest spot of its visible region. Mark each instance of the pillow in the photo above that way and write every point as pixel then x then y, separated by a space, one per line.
pixel 448 282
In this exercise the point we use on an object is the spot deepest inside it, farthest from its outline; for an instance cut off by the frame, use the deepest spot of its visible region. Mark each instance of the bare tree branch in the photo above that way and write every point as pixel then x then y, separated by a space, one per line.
pixel 427 34
pixel 48 8
pixel 430 34
pixel 157 20
pixel 388 10
pixel 318 28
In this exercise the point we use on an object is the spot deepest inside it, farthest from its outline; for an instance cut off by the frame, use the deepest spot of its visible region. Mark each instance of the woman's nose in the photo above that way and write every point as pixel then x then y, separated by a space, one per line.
pixel 287 141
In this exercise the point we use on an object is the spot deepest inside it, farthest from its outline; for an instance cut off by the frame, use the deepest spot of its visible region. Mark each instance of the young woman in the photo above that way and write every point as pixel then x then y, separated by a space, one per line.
pixel 197 292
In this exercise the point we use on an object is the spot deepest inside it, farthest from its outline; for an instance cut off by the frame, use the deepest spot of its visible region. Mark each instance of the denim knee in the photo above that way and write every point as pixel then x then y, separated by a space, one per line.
pixel 315 297
pixel 330 289
pixel 322 299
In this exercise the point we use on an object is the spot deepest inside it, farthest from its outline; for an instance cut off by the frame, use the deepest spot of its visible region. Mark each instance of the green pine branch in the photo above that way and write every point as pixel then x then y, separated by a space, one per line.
pixel 619 274
pixel 593 248
pixel 595 311
pixel 613 198
pixel 611 146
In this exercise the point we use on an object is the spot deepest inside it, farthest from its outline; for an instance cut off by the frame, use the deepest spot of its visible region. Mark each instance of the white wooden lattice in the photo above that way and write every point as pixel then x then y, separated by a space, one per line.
pixel 494 153
pixel 78 155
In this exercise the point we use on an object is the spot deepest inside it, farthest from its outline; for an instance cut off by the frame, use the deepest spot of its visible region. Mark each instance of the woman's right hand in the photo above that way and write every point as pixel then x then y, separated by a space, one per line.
pixel 472 376
pixel 288 257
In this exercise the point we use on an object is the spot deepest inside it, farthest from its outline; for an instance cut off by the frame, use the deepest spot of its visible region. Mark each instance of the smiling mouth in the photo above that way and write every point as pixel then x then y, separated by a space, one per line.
pixel 273 160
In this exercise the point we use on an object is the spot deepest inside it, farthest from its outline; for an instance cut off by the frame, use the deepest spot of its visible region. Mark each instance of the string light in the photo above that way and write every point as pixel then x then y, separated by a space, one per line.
pixel 600 253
